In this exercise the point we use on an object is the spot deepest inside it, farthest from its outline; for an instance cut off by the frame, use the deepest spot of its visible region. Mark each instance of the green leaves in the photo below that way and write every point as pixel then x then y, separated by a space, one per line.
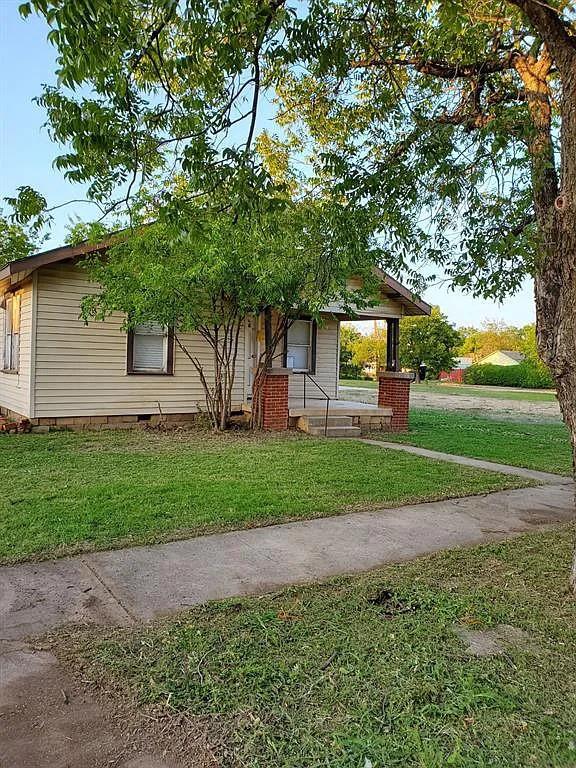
pixel 197 268
pixel 430 340
pixel 15 241
pixel 387 108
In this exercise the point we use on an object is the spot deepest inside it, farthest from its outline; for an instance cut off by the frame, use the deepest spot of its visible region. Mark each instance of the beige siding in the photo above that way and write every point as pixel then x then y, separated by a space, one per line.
pixel 326 364
pixel 81 370
pixel 386 307
pixel 498 358
pixel 15 387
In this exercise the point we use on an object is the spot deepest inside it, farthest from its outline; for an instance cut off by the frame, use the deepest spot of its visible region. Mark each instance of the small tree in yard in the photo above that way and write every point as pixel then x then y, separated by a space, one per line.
pixel 208 278
pixel 428 340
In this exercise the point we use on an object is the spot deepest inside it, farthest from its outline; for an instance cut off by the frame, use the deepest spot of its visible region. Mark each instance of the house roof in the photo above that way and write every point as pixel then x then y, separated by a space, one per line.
pixel 511 353
pixel 391 287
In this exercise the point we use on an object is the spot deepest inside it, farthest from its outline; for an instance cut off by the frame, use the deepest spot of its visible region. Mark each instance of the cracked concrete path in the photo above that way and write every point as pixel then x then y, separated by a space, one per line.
pixel 123 586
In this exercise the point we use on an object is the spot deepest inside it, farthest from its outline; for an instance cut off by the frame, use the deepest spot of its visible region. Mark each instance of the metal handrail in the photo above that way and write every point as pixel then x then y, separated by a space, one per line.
pixel 306 375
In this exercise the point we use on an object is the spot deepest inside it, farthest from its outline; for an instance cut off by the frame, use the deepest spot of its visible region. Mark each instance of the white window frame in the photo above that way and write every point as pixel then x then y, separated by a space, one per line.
pixel 309 346
pixel 11 340
pixel 167 351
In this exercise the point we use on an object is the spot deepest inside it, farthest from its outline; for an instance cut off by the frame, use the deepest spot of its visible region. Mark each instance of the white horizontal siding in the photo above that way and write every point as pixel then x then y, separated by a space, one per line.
pixel 81 369
pixel 15 387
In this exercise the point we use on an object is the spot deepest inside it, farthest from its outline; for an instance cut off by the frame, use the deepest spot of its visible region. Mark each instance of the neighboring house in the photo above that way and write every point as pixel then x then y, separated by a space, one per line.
pixel 462 363
pixel 59 371
pixel 457 373
pixel 502 357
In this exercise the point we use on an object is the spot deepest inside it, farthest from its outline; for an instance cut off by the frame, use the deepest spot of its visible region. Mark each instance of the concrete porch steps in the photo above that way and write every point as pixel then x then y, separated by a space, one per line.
pixel 335 426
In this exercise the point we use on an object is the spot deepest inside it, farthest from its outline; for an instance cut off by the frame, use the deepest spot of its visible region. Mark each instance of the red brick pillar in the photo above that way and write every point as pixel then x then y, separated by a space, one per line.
pixel 394 392
pixel 275 399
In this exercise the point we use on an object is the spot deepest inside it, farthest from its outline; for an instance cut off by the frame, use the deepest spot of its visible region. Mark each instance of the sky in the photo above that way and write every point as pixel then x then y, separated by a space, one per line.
pixel 27 61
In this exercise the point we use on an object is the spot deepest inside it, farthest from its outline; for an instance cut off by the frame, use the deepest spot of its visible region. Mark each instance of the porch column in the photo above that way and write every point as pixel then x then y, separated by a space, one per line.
pixel 275 399
pixel 394 392
pixel 392 343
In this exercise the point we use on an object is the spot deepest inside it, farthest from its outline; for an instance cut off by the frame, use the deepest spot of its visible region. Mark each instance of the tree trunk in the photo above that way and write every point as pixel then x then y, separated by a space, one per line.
pixel 555 206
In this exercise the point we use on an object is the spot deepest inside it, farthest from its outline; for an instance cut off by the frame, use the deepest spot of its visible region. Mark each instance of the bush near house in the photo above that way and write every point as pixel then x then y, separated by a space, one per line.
pixel 527 374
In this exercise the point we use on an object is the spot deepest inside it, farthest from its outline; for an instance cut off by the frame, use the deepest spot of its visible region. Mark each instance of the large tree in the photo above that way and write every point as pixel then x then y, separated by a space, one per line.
pixel 455 121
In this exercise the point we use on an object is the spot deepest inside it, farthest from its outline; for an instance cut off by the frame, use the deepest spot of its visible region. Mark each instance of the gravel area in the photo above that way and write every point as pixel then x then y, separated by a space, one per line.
pixel 521 410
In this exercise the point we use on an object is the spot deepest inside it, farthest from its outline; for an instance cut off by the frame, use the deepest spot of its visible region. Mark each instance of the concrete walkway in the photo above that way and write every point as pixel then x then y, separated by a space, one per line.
pixel 491 466
pixel 123 586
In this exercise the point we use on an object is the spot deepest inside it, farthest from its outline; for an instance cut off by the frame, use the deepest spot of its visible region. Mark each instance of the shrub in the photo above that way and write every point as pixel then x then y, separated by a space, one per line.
pixel 528 374
pixel 350 371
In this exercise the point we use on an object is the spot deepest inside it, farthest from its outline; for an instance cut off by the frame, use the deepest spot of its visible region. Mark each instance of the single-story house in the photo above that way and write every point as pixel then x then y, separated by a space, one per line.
pixel 58 371
pixel 502 357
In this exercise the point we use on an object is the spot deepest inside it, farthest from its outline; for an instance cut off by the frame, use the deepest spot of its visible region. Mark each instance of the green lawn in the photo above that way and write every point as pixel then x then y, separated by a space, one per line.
pixel 66 491
pixel 524 444
pixel 364 384
pixel 437 388
pixel 368 671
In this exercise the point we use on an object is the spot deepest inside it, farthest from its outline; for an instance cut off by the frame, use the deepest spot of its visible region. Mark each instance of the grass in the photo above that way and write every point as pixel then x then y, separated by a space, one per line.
pixel 545 447
pixel 367 671
pixel 437 388
pixel 362 383
pixel 69 492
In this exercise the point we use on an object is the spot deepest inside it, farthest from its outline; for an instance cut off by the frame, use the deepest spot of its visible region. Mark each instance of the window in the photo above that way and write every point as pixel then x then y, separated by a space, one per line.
pixel 151 349
pixel 301 346
pixel 12 334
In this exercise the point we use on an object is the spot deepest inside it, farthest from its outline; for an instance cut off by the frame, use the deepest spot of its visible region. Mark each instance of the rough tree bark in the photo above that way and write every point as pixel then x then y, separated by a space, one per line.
pixel 555 205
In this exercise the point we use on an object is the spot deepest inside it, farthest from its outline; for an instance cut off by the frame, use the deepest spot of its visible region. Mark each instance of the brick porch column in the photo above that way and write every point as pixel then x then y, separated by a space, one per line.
pixel 394 392
pixel 275 399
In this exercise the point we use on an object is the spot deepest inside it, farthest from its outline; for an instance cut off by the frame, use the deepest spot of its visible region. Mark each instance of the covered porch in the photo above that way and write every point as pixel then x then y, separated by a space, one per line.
pixel 301 386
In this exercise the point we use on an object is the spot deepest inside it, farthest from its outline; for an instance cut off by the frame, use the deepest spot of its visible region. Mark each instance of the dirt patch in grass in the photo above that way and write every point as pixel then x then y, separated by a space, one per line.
pixel 52 718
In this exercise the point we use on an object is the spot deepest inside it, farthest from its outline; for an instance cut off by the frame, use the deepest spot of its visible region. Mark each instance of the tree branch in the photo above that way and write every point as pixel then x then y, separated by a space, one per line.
pixel 559 34
pixel 444 69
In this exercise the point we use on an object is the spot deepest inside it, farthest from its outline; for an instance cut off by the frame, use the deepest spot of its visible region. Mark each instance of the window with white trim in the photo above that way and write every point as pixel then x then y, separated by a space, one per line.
pixel 300 346
pixel 150 349
pixel 11 356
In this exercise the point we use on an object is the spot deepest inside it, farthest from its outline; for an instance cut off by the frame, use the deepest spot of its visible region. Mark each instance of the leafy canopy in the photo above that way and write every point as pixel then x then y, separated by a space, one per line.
pixel 417 109
pixel 370 349
pixel 294 260
pixel 15 241
pixel 430 340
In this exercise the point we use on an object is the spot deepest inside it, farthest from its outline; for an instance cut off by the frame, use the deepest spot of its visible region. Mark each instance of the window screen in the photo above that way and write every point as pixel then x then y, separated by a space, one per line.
pixel 150 349
pixel 299 345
